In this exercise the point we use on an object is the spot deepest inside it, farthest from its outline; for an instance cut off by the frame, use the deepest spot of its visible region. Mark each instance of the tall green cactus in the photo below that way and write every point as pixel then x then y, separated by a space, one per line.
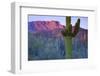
pixel 69 34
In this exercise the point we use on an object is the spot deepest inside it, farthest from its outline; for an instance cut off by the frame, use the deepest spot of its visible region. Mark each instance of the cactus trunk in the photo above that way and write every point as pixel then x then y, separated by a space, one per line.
pixel 68 47
pixel 68 39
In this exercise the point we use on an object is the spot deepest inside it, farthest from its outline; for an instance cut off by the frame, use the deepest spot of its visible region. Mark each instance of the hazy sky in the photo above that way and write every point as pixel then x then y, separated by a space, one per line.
pixel 61 19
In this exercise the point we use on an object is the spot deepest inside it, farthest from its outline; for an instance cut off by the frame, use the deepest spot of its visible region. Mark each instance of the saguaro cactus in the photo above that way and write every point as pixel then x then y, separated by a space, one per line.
pixel 68 34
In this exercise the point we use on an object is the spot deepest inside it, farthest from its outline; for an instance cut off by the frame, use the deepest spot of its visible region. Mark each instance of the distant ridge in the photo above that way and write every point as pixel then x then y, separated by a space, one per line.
pixel 35 26
pixel 52 28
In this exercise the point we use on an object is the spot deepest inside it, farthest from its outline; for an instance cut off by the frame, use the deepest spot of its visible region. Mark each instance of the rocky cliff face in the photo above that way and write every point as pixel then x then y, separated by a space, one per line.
pixel 36 26
pixel 52 28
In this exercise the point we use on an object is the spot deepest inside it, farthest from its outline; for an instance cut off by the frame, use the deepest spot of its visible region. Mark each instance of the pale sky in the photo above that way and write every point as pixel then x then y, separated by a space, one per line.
pixel 61 19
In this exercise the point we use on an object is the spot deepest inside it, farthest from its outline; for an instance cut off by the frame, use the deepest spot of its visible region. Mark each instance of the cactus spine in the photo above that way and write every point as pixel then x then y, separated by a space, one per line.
pixel 68 35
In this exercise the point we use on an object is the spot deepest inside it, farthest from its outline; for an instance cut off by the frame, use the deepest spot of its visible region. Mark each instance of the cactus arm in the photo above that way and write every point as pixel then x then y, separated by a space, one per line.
pixel 77 27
